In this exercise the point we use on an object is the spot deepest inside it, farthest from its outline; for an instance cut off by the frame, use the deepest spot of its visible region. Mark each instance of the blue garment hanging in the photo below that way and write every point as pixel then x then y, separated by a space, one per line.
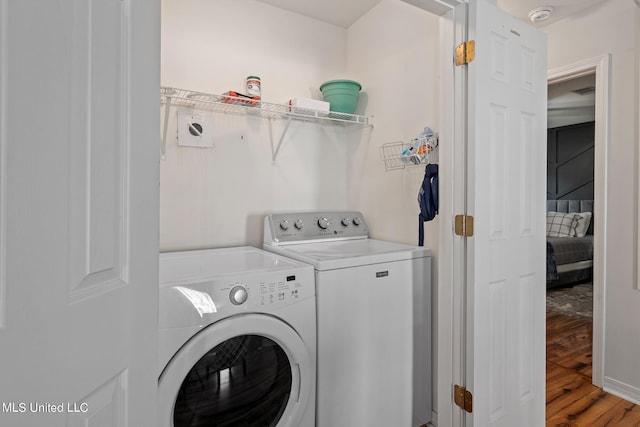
pixel 427 199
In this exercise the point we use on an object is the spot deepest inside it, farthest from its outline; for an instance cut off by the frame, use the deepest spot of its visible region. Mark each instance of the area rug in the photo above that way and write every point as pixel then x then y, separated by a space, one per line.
pixel 575 301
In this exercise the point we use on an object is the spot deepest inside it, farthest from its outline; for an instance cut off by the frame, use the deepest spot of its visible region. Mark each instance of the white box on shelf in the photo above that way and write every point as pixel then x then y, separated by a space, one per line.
pixel 303 105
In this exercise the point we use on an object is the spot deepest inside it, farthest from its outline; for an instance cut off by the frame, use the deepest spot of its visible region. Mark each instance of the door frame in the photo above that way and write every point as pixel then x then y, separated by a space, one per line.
pixel 450 299
pixel 601 67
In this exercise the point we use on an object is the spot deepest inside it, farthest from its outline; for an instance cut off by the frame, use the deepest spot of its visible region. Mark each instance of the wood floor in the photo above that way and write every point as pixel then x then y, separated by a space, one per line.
pixel 572 400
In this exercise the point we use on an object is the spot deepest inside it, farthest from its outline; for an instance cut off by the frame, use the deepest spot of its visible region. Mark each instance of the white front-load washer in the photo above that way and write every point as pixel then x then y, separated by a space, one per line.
pixel 373 302
pixel 237 339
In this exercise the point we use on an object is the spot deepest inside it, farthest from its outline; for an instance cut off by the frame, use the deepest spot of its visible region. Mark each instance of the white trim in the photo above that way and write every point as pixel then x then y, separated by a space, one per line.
pixel 601 67
pixel 3 156
pixel 437 7
pixel 622 390
pixel 636 131
pixel 449 310
pixel 434 420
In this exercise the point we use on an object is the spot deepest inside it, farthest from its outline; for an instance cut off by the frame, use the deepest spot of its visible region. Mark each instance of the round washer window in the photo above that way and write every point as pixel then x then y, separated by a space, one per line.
pixel 245 380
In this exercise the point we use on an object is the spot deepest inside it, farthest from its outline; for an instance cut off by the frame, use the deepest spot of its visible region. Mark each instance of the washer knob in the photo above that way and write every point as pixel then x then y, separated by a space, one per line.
pixel 299 224
pixel 346 222
pixel 357 221
pixel 238 295
pixel 284 224
pixel 323 223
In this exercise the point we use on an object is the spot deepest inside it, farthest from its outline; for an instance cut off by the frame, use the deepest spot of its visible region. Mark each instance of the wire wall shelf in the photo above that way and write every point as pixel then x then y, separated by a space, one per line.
pixel 399 155
pixel 240 105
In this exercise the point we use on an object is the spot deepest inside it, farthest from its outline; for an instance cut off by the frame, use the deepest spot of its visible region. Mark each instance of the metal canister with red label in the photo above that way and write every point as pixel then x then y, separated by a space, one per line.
pixel 254 86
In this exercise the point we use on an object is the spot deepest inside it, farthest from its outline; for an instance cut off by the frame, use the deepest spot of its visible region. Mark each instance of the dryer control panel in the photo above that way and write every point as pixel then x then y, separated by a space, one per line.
pixel 263 294
pixel 304 227
pixel 202 303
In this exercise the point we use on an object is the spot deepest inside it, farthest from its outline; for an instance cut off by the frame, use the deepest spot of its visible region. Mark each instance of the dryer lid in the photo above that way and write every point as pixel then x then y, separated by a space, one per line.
pixel 198 265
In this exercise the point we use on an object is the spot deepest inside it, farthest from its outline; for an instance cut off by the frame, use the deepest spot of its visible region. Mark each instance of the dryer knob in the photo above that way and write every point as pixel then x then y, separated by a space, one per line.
pixel 346 222
pixel 299 224
pixel 284 224
pixel 238 295
pixel 323 223
pixel 357 221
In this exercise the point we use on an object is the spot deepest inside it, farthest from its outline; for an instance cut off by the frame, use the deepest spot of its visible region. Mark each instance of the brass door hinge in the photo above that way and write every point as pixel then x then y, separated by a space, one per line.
pixel 465 52
pixel 464 225
pixel 463 398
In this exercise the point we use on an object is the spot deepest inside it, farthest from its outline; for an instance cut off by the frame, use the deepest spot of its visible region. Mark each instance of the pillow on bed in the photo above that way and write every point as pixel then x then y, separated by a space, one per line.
pixel 584 219
pixel 561 224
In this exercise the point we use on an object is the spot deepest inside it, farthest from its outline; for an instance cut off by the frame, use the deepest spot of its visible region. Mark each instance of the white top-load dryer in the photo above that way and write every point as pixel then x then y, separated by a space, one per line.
pixel 373 301
pixel 237 339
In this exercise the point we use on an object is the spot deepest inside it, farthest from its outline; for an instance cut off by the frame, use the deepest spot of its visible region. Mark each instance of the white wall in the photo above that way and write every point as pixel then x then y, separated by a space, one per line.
pixel 218 197
pixel 611 29
pixel 394 49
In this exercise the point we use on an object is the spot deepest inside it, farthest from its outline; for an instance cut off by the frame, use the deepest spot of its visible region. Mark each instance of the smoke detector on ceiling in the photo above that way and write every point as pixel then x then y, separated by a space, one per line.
pixel 540 14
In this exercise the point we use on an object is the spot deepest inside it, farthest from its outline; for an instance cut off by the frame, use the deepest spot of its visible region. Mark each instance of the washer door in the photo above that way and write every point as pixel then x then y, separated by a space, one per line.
pixel 244 370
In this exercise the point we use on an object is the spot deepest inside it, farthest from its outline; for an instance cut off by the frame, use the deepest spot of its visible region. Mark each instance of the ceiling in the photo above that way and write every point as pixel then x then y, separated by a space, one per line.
pixel 572 101
pixel 344 13
pixel 561 8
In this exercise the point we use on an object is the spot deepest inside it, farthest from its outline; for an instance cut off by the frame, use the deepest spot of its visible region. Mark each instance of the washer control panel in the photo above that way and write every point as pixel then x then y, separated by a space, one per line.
pixel 271 291
pixel 311 226
pixel 200 287
pixel 197 303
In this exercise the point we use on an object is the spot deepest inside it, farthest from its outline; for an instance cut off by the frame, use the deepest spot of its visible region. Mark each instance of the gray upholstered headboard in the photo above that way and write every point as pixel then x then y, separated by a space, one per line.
pixel 572 206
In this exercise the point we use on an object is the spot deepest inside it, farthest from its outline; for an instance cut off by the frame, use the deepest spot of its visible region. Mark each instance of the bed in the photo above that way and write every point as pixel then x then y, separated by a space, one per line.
pixel 569 242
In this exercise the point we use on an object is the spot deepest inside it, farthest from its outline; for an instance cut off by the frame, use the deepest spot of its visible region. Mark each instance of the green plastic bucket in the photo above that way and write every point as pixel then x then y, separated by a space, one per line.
pixel 342 95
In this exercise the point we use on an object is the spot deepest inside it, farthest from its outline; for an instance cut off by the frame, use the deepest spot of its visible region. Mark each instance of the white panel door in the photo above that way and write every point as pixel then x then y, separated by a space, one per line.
pixel 79 129
pixel 506 160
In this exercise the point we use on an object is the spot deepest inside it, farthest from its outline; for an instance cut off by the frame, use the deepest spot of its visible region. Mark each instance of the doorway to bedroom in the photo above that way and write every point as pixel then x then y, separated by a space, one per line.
pixel 570 192
pixel 578 104
pixel 570 197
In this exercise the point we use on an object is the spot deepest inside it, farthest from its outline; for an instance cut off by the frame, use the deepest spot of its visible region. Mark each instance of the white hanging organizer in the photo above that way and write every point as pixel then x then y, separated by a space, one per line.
pixel 420 151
